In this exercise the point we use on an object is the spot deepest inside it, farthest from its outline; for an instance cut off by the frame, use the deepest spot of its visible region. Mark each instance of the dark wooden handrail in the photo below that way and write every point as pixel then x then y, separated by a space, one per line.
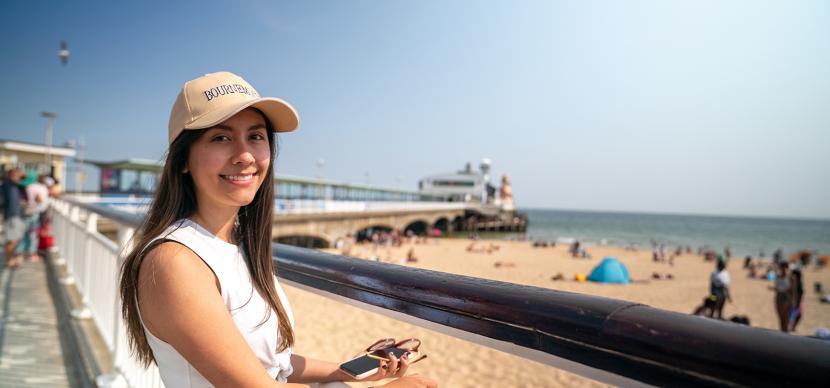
pixel 642 343
pixel 646 344
pixel 128 219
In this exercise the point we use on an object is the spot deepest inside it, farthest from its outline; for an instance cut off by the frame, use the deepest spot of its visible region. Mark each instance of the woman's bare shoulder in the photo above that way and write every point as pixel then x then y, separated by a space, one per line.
pixel 181 304
pixel 171 279
pixel 171 263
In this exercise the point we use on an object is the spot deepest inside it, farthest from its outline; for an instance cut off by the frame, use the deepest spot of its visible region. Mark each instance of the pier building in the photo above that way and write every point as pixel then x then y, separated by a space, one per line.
pixel 36 158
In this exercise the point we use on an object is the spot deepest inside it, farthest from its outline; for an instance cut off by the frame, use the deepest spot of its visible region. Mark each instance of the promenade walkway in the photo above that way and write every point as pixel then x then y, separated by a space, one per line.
pixel 33 351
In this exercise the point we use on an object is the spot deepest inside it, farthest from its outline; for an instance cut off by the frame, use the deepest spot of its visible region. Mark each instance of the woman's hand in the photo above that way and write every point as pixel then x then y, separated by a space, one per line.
pixel 395 367
pixel 412 381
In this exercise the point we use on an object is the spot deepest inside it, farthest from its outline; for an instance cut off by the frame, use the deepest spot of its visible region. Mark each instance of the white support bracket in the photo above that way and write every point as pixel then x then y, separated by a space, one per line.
pixel 81 313
pixel 111 380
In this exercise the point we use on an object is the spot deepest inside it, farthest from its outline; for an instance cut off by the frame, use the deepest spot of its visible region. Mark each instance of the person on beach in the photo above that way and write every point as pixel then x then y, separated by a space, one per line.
pixel 574 249
pixel 719 289
pixel 777 256
pixel 199 293
pixel 783 296
pixel 796 310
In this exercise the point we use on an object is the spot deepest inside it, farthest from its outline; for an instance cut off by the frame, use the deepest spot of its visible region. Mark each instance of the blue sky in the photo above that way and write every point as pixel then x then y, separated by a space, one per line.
pixel 706 107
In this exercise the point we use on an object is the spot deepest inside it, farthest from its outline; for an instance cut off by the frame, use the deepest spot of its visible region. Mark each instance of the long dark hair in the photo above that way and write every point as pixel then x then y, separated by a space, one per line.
pixel 175 199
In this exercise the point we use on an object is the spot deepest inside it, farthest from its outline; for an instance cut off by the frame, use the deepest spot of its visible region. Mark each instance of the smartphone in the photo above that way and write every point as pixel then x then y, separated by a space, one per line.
pixel 365 366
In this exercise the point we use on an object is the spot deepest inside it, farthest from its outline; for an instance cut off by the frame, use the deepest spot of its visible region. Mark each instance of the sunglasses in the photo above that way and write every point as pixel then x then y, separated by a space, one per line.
pixel 409 345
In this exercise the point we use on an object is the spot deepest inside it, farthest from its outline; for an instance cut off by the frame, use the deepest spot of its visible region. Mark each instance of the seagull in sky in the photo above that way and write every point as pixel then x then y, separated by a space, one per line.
pixel 63 53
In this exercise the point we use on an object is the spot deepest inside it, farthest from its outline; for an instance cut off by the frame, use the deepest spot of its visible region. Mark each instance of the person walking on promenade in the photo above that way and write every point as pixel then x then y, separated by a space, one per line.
pixel 783 296
pixel 199 293
pixel 13 225
pixel 719 288
pixel 37 201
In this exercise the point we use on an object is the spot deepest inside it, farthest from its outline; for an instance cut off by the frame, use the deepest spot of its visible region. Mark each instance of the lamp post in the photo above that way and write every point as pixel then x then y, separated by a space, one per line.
pixel 50 124
pixel 80 175
pixel 320 164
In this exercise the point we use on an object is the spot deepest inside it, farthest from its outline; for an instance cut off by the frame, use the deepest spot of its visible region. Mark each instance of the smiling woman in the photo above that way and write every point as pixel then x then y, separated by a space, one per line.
pixel 228 162
pixel 199 291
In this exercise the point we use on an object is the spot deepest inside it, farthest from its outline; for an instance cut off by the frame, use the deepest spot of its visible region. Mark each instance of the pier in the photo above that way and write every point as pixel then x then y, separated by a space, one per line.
pixel 317 213
pixel 35 346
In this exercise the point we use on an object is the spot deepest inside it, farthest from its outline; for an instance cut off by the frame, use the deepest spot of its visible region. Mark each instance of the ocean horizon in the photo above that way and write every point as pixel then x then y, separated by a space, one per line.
pixel 743 235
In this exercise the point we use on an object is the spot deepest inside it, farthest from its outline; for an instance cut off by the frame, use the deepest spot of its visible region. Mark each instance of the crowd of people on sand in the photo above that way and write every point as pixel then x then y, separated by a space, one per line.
pixel 785 274
pixel 371 244
pixel 25 199
pixel 477 246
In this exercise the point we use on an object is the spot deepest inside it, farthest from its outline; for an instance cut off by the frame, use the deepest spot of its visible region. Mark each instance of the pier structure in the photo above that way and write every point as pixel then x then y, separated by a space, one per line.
pixel 317 213
pixel 324 229
pixel 316 223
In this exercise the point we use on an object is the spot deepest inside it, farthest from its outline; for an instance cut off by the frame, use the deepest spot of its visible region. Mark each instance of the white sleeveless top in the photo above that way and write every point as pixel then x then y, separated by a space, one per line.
pixel 245 305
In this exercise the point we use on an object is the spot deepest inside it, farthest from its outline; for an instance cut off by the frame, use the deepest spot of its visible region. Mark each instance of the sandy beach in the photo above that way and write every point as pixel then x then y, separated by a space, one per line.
pixel 457 363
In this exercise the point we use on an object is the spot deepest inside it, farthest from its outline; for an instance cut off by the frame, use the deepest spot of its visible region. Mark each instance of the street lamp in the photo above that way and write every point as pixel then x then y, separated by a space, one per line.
pixel 320 164
pixel 50 124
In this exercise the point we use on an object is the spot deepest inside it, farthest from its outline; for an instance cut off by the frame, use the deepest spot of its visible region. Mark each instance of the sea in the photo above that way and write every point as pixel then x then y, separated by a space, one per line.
pixel 742 235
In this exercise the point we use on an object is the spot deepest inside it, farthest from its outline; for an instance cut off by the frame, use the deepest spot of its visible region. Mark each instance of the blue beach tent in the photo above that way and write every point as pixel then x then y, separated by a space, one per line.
pixel 610 270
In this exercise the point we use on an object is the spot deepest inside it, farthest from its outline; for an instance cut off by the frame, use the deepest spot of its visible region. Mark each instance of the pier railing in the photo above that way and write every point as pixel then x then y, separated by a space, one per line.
pixel 92 262
pixel 612 341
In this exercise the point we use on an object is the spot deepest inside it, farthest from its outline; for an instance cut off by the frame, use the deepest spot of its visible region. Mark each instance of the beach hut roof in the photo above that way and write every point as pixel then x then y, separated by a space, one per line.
pixel 610 270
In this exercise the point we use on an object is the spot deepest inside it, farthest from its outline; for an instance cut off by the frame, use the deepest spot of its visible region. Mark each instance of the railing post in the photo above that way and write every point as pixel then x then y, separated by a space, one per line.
pixel 75 213
pixel 71 213
pixel 92 222
pixel 82 312
pixel 116 378
pixel 57 216
pixel 125 236
pixel 85 312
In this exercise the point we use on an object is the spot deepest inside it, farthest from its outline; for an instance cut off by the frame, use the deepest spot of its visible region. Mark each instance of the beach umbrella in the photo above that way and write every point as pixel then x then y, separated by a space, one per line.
pixel 610 270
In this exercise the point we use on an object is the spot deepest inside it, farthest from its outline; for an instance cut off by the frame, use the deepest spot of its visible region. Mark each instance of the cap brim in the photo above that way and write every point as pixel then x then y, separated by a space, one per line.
pixel 281 114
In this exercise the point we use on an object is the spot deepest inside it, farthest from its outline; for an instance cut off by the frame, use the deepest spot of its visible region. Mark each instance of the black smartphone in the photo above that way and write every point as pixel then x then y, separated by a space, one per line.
pixel 365 366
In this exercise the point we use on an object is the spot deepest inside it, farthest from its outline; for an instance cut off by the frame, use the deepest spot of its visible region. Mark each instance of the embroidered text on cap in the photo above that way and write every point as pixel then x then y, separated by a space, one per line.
pixel 222 90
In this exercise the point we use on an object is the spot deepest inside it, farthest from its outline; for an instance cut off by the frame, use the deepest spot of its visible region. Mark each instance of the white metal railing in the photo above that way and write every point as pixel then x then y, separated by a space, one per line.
pixel 92 265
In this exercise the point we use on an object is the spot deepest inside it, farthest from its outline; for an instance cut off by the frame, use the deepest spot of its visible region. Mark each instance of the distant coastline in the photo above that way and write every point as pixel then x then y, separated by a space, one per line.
pixel 743 235
pixel 656 213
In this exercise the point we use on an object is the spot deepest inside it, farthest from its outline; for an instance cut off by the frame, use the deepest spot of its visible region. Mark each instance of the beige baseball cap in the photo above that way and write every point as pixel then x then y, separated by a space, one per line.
pixel 215 97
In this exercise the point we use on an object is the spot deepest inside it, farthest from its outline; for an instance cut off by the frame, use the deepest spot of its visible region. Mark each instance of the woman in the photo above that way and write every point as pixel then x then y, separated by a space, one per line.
pixel 796 310
pixel 719 289
pixel 783 296
pixel 199 294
